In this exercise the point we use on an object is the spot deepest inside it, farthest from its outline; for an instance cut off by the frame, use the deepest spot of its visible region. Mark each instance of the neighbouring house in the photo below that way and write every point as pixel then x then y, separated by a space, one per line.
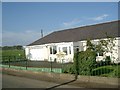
pixel 52 45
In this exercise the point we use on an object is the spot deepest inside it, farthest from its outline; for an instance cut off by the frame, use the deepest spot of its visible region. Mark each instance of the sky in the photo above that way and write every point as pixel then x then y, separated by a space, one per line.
pixel 0 24
pixel 22 21
pixel 60 0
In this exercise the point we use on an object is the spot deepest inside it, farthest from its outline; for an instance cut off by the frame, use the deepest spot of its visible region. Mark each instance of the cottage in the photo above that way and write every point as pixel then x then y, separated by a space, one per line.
pixel 50 47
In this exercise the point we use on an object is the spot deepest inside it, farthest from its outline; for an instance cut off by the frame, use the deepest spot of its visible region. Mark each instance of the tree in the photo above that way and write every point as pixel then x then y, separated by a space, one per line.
pixel 18 47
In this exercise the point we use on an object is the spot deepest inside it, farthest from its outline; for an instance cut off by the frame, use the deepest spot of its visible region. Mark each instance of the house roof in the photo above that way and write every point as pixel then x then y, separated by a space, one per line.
pixel 96 31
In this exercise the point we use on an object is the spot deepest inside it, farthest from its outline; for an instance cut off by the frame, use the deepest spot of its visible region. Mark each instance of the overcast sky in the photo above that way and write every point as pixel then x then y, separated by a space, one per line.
pixel 22 22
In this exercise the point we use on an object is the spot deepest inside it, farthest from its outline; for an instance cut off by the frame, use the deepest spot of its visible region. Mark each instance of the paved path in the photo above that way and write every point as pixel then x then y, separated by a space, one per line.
pixel 19 79
pixel 21 82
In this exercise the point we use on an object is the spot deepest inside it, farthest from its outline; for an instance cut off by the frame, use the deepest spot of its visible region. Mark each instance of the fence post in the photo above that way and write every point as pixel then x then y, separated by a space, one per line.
pixel 62 65
pixel 76 64
pixel 51 66
pixel 26 64
pixel 9 61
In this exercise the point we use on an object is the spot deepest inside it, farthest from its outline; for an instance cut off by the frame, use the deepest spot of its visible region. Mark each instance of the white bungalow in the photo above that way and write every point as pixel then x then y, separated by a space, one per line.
pixel 51 46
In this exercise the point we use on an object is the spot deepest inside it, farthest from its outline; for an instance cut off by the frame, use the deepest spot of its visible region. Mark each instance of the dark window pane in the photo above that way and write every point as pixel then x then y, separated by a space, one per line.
pixel 50 50
pixel 65 50
pixel 101 54
pixel 54 49
pixel 70 50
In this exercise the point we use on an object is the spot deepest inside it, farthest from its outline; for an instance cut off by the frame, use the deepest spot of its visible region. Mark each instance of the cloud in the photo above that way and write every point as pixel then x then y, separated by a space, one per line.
pixel 21 38
pixel 71 23
pixel 99 18
pixel 76 22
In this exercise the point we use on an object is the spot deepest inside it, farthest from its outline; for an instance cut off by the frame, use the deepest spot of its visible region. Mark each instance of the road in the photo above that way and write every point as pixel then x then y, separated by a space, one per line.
pixel 21 82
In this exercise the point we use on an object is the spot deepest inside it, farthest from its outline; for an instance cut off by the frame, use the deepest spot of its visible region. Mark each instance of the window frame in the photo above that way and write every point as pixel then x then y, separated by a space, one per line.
pixel 66 50
pixel 53 49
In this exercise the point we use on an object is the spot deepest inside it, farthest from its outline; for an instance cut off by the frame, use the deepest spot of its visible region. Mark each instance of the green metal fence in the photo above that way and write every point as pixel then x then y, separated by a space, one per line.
pixel 24 64
pixel 102 69
pixel 55 70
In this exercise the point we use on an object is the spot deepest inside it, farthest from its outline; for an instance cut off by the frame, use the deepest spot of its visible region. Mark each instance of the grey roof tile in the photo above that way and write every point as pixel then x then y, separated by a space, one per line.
pixel 96 31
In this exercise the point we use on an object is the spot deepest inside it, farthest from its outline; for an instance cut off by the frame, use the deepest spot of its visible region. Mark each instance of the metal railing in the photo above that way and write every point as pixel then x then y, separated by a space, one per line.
pixel 102 69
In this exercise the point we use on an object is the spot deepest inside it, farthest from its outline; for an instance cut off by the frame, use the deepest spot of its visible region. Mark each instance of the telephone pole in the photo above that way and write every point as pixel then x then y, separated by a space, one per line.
pixel 41 33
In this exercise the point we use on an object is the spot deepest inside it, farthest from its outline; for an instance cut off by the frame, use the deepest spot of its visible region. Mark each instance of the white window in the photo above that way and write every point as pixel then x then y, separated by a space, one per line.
pixel 100 54
pixel 95 42
pixel 53 50
pixel 65 50
pixel 69 50
pixel 75 48
pixel 81 46
pixel 59 49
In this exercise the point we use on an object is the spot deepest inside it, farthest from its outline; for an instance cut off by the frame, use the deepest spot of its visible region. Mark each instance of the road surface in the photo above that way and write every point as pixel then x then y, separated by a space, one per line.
pixel 21 82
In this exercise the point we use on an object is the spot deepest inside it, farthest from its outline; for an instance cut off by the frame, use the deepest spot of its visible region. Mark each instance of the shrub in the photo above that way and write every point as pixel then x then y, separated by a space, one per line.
pixel 104 63
pixel 86 62
pixel 69 69
pixel 107 60
pixel 116 72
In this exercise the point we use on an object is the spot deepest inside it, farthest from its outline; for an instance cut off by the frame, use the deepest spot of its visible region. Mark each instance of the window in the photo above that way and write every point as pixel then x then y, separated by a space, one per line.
pixel 65 50
pixel 100 54
pixel 69 50
pixel 81 46
pixel 50 50
pixel 59 50
pixel 53 50
pixel 95 42
pixel 75 48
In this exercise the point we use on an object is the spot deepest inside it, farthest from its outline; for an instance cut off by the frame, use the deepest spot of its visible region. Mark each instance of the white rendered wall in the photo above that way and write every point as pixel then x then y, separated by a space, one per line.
pixel 36 52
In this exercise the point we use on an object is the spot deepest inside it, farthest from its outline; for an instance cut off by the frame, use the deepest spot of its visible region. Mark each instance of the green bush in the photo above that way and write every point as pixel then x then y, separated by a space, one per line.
pixel 86 62
pixel 69 69
pixel 116 72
